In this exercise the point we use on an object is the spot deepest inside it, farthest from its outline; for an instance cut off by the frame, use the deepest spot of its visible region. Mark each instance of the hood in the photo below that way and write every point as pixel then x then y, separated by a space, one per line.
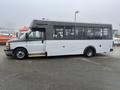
pixel 15 40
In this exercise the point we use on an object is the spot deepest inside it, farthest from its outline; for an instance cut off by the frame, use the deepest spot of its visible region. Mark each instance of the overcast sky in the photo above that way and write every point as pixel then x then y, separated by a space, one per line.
pixel 17 13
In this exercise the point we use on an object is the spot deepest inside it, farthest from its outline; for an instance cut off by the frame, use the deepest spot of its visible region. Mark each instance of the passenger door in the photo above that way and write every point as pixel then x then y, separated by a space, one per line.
pixel 36 42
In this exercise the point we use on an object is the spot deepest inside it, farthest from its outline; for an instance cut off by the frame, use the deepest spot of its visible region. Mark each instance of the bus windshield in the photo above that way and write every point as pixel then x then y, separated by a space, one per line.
pixel 22 36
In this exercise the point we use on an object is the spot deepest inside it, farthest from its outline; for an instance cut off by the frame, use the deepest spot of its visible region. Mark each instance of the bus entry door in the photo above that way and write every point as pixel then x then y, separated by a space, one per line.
pixel 36 42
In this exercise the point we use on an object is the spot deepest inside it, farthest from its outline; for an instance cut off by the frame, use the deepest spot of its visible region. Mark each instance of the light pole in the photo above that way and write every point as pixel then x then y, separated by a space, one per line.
pixel 76 12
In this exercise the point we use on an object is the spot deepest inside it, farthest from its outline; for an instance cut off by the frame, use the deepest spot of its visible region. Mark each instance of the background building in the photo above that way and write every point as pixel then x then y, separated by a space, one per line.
pixel 115 32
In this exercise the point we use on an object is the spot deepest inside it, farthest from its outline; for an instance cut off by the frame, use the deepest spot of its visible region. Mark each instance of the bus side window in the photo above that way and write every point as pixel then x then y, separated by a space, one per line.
pixel 58 32
pixel 81 33
pixel 69 32
pixel 106 33
pixel 90 33
pixel 98 33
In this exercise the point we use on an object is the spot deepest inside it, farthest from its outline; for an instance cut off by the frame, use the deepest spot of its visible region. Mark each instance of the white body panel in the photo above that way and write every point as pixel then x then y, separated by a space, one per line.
pixel 64 47
pixel 33 47
pixel 70 47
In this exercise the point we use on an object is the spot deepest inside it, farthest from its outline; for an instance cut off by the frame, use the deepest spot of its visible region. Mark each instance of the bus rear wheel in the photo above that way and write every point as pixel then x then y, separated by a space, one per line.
pixel 89 52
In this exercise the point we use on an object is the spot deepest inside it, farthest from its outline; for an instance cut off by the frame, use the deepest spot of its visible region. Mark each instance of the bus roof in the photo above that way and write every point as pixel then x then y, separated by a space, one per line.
pixel 39 23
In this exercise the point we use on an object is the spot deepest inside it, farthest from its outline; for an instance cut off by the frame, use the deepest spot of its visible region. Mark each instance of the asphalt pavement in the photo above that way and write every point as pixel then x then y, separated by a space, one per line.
pixel 101 72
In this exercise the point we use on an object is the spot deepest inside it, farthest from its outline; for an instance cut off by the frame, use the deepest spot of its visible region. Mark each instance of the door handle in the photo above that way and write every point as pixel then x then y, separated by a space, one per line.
pixel 42 41
pixel 63 46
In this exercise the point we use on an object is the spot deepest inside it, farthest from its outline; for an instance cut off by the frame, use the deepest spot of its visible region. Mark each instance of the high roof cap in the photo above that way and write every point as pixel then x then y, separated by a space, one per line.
pixel 37 23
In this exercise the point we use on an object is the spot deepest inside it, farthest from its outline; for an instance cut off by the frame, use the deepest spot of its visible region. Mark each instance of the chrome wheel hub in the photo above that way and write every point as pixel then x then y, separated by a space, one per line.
pixel 20 54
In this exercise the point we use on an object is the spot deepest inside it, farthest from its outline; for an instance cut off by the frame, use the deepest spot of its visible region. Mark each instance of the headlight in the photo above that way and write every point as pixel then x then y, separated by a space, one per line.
pixel 7 45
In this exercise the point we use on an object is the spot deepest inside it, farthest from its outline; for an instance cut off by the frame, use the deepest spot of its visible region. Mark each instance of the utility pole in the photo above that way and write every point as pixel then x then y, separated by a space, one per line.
pixel 75 16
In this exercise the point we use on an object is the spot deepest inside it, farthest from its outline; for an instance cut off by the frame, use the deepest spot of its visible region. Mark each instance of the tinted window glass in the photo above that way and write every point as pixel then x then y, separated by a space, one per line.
pixel 98 33
pixel 36 35
pixel 80 32
pixel 90 33
pixel 107 33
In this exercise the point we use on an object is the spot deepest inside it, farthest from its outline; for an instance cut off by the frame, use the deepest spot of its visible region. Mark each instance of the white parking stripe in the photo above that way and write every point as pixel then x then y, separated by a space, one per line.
pixel 89 61
pixel 107 68
pixel 102 57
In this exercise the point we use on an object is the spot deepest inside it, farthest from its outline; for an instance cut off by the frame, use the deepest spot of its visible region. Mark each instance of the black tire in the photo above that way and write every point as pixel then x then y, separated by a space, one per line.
pixel 89 52
pixel 20 53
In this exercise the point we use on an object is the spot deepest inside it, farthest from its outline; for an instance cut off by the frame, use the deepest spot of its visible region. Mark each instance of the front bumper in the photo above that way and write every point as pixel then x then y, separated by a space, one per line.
pixel 8 52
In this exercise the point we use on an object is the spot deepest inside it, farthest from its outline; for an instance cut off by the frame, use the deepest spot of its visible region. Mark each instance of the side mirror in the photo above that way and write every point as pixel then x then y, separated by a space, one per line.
pixel 26 36
pixel 17 35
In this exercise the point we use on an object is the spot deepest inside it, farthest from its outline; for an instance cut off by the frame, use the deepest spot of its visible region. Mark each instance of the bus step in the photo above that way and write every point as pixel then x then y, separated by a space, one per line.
pixel 36 55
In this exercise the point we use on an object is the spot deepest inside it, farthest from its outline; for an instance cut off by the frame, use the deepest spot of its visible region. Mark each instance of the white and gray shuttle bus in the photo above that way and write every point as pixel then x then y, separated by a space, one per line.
pixel 53 38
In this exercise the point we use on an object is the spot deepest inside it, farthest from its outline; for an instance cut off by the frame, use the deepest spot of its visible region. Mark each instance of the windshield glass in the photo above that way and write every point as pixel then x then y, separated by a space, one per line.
pixel 22 36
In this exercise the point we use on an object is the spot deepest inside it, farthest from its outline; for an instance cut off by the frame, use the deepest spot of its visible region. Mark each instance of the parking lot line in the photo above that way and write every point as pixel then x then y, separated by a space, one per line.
pixel 89 61
pixel 93 62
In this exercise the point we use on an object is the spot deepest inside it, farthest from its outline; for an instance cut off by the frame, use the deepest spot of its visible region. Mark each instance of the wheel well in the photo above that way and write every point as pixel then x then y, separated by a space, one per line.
pixel 20 47
pixel 90 47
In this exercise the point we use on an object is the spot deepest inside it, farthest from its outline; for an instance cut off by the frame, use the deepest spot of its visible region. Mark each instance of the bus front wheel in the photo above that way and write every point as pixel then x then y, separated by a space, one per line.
pixel 20 53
